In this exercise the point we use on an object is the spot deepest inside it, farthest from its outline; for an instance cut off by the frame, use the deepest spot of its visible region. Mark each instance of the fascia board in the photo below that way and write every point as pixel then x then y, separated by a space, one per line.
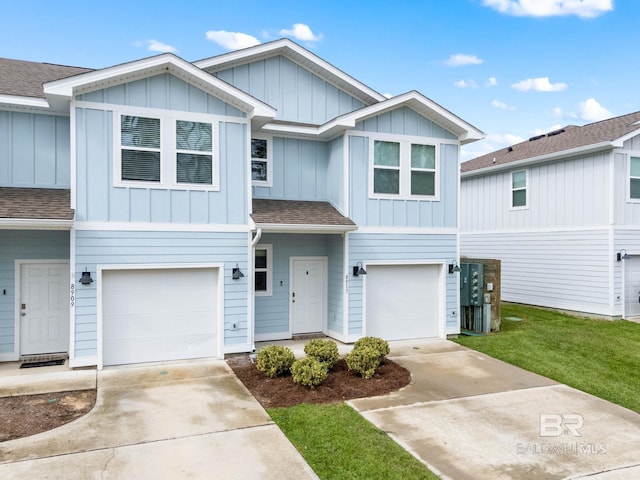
pixel 35 224
pixel 525 162
pixel 619 142
pixel 29 102
pixel 303 228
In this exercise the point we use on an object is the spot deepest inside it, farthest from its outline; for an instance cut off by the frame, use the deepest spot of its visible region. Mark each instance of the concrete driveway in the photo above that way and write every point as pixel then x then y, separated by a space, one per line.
pixel 172 421
pixel 470 416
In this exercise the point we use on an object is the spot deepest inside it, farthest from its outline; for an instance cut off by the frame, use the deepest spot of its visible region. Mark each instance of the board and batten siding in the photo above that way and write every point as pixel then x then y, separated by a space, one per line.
pixel 97 199
pixel 408 213
pixel 626 212
pixel 272 312
pixel 335 173
pixel 297 94
pixel 23 245
pixel 568 193
pixel 299 171
pixel 34 150
pixel 568 269
pixel 160 248
pixel 399 248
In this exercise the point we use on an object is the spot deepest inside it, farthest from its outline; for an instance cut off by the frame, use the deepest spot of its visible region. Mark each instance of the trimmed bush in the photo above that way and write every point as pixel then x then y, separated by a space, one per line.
pixel 364 360
pixel 379 344
pixel 275 360
pixel 325 351
pixel 309 372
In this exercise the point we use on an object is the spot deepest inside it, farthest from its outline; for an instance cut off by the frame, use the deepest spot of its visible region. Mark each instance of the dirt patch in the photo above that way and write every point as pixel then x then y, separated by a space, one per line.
pixel 341 384
pixel 25 415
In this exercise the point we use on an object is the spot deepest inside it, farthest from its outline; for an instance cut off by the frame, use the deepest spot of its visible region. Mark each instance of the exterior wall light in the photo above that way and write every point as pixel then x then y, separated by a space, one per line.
pixel 622 256
pixel 86 279
pixel 453 267
pixel 236 274
pixel 359 270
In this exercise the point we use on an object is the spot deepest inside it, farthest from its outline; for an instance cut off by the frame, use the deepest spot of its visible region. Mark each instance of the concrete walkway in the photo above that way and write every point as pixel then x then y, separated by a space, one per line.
pixel 470 416
pixel 172 421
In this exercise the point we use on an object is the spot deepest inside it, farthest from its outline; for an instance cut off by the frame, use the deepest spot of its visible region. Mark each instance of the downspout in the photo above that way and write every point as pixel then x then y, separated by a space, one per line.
pixel 256 239
pixel 254 242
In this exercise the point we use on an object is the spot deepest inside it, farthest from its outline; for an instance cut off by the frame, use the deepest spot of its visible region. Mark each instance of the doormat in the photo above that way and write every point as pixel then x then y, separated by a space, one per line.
pixel 47 363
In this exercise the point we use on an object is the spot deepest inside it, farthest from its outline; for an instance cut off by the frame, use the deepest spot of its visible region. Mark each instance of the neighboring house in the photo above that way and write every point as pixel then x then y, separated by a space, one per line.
pixel 562 213
pixel 162 209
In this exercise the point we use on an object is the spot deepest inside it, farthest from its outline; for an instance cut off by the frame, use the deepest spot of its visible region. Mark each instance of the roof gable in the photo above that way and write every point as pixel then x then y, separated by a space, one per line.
pixel 569 140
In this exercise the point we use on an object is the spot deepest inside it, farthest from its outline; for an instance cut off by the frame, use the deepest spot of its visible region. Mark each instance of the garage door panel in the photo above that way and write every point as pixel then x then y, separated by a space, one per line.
pixel 402 301
pixel 156 315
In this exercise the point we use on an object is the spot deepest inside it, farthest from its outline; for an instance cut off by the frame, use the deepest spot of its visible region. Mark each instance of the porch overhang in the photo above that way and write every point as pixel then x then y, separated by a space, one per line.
pixel 294 216
pixel 35 209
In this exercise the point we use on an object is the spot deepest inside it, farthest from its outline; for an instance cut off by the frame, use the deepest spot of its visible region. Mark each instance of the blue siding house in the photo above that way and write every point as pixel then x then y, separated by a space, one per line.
pixel 162 210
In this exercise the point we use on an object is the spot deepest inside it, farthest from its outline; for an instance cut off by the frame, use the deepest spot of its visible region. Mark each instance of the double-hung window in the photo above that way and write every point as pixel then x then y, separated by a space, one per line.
pixel 261 163
pixel 263 269
pixel 634 178
pixel 404 169
pixel 165 151
pixel 519 189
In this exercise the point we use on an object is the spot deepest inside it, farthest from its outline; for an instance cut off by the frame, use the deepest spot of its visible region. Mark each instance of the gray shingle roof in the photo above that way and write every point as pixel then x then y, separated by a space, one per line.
pixel 292 212
pixel 25 79
pixel 35 203
pixel 567 138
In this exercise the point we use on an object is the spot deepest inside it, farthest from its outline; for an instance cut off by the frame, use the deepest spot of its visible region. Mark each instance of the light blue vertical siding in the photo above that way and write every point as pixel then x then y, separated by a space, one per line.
pixel 409 213
pixel 299 171
pixel 34 150
pixel 297 94
pixel 23 245
pixel 335 173
pixel 145 248
pixel 364 247
pixel 272 312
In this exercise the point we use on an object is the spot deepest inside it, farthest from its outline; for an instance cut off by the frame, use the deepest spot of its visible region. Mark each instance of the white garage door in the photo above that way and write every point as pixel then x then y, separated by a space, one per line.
pixel 632 287
pixel 402 301
pixel 154 315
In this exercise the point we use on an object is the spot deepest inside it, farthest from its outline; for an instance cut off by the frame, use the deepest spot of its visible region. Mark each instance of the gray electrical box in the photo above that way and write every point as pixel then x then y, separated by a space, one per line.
pixel 471 281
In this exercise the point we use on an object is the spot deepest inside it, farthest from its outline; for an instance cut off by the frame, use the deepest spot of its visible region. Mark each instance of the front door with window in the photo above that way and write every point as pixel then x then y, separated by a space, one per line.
pixel 44 308
pixel 308 296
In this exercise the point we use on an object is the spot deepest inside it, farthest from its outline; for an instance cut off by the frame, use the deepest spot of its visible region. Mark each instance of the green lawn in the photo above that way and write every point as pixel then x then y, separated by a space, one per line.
pixel 596 356
pixel 340 444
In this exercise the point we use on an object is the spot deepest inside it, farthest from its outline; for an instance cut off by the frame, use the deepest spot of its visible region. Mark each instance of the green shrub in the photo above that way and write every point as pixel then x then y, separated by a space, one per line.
pixel 309 372
pixel 379 344
pixel 275 360
pixel 364 360
pixel 325 351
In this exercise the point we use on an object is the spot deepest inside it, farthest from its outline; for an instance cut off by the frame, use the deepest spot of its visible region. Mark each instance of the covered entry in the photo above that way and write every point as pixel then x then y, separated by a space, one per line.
pixel 403 301
pixel 160 314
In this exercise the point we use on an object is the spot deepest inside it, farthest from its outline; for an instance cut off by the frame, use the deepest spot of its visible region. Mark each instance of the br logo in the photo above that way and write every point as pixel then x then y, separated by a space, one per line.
pixel 556 425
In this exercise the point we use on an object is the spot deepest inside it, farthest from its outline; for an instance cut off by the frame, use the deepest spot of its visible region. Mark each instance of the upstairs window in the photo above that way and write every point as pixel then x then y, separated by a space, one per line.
pixel 634 178
pixel 261 162
pixel 140 140
pixel 194 152
pixel 519 189
pixel 263 270
pixel 404 170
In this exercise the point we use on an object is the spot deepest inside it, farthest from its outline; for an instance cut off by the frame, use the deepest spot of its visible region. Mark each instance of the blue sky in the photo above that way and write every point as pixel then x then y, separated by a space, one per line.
pixel 512 68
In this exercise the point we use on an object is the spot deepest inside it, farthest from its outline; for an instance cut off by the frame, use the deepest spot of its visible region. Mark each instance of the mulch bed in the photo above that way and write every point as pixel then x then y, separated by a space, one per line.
pixel 341 384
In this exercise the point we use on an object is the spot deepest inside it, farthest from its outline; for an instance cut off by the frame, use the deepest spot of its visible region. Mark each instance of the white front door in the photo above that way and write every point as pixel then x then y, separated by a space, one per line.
pixel 308 294
pixel 632 287
pixel 44 308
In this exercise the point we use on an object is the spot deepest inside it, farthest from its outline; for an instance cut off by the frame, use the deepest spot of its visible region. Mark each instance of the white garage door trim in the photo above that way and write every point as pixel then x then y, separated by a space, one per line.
pixel 441 290
pixel 99 297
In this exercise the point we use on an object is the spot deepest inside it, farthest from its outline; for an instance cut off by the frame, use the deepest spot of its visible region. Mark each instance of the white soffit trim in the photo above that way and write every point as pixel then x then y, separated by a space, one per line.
pixel 299 228
pixel 24 102
pixel 299 55
pixel 619 142
pixel 60 91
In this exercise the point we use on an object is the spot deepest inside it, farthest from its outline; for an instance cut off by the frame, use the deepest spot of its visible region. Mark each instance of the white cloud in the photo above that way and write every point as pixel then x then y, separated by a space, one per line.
pixel 539 85
pixel 491 82
pixel 501 105
pixel 560 113
pixel 302 32
pixel 592 111
pixel 461 59
pixel 491 143
pixel 551 8
pixel 156 46
pixel 232 40
pixel 466 84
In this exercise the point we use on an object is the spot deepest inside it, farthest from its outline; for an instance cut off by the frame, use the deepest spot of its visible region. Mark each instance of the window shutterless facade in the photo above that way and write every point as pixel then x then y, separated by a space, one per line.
pixel 261 163
pixel 519 195
pixel 403 169
pixel 634 178
pixel 263 261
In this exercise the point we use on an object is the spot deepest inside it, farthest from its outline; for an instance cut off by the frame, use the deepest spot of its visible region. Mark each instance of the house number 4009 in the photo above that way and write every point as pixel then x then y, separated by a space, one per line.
pixel 73 295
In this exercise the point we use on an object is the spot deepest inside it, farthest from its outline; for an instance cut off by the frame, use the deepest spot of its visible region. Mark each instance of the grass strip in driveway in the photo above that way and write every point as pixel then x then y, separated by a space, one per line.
pixel 599 357
pixel 339 444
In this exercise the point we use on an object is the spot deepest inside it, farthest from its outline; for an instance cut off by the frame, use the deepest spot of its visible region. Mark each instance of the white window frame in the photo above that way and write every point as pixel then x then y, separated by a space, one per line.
pixel 168 149
pixel 526 189
pixel 269 270
pixel 405 167
pixel 631 199
pixel 268 161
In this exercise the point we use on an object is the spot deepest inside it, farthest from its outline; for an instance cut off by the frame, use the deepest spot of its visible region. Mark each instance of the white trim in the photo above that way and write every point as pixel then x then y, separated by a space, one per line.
pixel 162 227
pixel 269 270
pixel 269 337
pixel 627 175
pixel 35 224
pixel 390 137
pixel 296 228
pixel 238 348
pixel 73 295
pixel 79 362
pixel 408 230
pixel 158 266
pixel 346 172
pixel 325 272
pixel 268 160
pixel 345 288
pixel 526 190
pixel 23 103
pixel 579 228
pixel 17 289
pixel 73 154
